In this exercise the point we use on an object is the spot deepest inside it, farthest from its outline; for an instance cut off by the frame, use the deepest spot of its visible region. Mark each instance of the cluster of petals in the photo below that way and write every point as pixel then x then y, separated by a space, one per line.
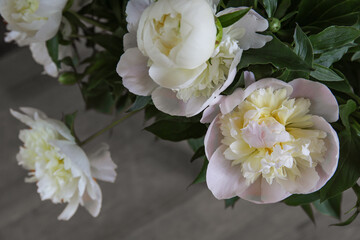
pixel 271 139
pixel 171 52
pixel 63 172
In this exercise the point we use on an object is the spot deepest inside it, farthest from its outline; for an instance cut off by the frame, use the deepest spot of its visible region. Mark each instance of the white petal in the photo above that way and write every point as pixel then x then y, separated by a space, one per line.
pixel 133 68
pixel 304 184
pixel 130 40
pixel 323 102
pixel 70 209
pixel 92 199
pixel 249 78
pixel 224 180
pixel 40 54
pixel 212 111
pixel 252 23
pixel 134 9
pixel 213 138
pixel 175 78
pixel 102 166
pixel 166 101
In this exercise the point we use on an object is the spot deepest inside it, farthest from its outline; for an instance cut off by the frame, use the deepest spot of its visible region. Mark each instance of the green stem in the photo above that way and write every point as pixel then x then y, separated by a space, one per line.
pixel 91 21
pixel 108 127
pixel 255 4
pixel 356 189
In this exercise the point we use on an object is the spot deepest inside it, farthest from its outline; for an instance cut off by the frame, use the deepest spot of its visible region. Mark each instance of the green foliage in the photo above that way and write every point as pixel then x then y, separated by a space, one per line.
pixel 202 174
pixel 53 49
pixel 227 20
pixel 309 212
pixel 231 202
pixel 270 7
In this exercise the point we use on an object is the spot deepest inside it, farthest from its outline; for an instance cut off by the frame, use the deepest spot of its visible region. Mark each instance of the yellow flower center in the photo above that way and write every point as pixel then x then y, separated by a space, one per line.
pixel 270 135
pixel 25 10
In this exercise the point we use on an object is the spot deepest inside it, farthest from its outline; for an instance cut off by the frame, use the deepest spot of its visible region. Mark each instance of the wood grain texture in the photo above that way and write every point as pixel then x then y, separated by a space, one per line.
pixel 149 199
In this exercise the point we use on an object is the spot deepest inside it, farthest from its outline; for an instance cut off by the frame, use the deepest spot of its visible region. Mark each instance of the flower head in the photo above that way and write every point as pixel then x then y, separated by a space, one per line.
pixel 272 140
pixel 172 55
pixel 32 20
pixel 64 173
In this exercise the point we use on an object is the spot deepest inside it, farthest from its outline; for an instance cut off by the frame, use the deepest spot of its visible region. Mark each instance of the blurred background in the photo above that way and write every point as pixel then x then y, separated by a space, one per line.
pixel 150 198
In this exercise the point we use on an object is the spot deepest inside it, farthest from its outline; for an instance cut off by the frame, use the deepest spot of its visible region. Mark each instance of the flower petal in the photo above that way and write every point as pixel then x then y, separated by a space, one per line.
pixel 212 111
pixel 249 78
pixel 213 138
pixel 92 198
pixel 304 184
pixel 70 209
pixel 102 166
pixel 262 192
pixel 134 9
pixel 252 22
pixel 133 68
pixel 323 102
pixel 224 180
pixel 175 78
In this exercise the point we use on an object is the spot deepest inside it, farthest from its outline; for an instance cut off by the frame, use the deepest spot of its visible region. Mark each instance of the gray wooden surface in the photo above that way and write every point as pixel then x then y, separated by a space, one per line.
pixel 150 198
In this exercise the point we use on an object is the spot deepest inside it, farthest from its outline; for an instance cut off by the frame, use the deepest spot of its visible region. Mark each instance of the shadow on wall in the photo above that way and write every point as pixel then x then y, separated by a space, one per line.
pixel 4 47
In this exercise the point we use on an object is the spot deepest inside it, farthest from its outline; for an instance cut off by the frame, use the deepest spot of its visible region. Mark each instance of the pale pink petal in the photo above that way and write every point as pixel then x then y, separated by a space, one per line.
pixel 102 166
pixel 223 180
pixel 134 9
pixel 249 78
pixel 303 184
pixel 251 23
pixel 166 101
pixel 212 111
pixel 328 167
pixel 323 102
pixel 175 78
pixel 92 198
pixel 134 71
pixel 262 192
pixel 213 138
pixel 230 102
pixel 130 40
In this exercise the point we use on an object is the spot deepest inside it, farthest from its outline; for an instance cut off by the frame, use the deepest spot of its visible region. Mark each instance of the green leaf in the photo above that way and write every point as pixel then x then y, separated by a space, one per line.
pixel 238 82
pixel 333 37
pixel 140 103
pixel 276 53
pixel 309 212
pixel 356 56
pixel 52 46
pixel 69 120
pixel 196 143
pixel 202 174
pixel 283 7
pixel 289 75
pixel 198 154
pixel 303 47
pixel 173 130
pixel 330 207
pixel 300 199
pixel 231 18
pixel 326 59
pixel 231 202
pixel 348 221
pixel 111 43
pixel 345 111
pixel 270 7
pixel 325 74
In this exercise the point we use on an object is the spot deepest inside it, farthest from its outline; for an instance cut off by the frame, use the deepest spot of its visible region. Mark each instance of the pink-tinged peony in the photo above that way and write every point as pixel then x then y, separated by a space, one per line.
pixel 271 140
pixel 172 55
pixel 63 172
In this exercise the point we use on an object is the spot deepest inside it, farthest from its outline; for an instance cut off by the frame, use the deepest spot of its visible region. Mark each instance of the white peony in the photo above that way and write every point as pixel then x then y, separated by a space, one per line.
pixel 170 52
pixel 64 173
pixel 32 20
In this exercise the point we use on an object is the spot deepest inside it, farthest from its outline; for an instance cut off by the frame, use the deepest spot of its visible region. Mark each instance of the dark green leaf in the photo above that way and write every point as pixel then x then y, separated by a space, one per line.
pixel 231 202
pixel 303 47
pixel 52 46
pixel 238 82
pixel 348 221
pixel 69 120
pixel 270 7
pixel 289 75
pixel 202 174
pixel 173 130
pixel 276 53
pixel 140 103
pixel 195 144
pixel 345 111
pixel 198 154
pixel 356 56
pixel 309 212
pixel 110 42
pixel 300 199
pixel 330 207
pixel 326 59
pixel 325 74
pixel 231 18
pixel 283 7
pixel 333 37
pixel 103 102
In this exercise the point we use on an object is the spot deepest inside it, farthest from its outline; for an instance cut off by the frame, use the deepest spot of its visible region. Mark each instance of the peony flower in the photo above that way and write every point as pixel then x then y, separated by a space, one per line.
pixel 64 173
pixel 32 20
pixel 271 140
pixel 170 52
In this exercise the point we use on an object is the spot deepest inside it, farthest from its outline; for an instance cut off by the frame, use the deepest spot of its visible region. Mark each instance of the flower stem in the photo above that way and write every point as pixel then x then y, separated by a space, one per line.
pixel 108 127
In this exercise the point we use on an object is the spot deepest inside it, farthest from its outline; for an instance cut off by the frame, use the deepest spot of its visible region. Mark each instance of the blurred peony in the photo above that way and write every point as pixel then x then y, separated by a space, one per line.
pixel 272 140
pixel 61 169
pixel 175 59
pixel 32 21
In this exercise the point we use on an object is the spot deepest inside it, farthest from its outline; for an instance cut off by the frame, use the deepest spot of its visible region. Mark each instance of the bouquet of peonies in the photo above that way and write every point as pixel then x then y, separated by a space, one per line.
pixel 265 92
